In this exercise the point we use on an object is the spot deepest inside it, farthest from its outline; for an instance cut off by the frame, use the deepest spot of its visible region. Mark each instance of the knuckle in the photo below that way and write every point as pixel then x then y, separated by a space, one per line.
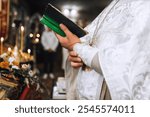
pixel 69 58
pixel 75 65
pixel 70 53
pixel 72 64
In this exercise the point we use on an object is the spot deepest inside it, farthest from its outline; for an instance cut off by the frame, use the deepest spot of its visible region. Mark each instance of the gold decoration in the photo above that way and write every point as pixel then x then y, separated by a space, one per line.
pixel 4 64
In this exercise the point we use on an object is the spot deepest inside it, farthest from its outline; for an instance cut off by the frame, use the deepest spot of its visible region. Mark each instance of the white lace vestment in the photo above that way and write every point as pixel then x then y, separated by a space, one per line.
pixel 122 48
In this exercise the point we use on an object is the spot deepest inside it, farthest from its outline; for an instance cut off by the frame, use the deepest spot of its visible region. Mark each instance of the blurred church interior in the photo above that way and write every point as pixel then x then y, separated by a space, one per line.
pixel 22 70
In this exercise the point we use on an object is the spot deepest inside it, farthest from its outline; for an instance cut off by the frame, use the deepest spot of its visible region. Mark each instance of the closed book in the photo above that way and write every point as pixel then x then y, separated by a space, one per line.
pixel 52 18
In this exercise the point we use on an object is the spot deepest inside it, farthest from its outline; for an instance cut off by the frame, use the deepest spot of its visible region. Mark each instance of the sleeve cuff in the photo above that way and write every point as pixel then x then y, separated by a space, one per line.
pixel 85 52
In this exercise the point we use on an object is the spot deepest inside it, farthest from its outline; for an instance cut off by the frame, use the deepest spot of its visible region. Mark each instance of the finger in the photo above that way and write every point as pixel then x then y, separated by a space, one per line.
pixel 73 53
pixel 76 65
pixel 61 39
pixel 74 59
pixel 66 30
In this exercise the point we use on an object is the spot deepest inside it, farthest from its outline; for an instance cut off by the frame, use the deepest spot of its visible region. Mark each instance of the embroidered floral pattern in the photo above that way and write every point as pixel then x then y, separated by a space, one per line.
pixel 123 52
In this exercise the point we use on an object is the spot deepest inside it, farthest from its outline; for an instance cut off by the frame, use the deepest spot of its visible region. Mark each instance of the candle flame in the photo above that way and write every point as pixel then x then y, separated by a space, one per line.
pixel 2 39
pixel 22 28
pixel 29 51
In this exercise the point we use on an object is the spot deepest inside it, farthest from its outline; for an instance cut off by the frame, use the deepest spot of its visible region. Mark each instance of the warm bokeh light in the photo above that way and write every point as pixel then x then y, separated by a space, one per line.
pixel 37 40
pixel 9 49
pixel 38 35
pixel 29 51
pixel 30 35
pixel 2 39
pixel 22 28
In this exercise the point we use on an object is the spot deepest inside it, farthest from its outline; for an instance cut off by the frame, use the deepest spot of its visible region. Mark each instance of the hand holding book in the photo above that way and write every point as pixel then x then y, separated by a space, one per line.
pixel 68 33
pixel 53 18
pixel 70 40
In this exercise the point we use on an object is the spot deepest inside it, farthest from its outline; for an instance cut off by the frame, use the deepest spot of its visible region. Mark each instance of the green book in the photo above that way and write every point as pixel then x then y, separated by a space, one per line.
pixel 52 18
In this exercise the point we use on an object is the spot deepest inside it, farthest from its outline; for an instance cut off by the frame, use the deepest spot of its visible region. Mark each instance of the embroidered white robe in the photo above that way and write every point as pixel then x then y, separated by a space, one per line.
pixel 122 51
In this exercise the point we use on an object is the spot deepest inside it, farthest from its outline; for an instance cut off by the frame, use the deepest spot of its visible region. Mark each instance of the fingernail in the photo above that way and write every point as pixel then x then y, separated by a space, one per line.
pixel 61 25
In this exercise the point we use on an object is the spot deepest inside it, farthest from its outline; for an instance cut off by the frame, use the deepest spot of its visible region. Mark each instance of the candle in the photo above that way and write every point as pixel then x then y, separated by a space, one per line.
pixel 29 51
pixel 22 38
pixel 9 50
pixel 2 39
pixel 15 52
pixel 0 5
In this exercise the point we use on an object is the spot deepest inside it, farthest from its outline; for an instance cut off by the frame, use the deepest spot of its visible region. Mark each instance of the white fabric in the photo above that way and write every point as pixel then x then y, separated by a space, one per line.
pixel 64 57
pixel 123 41
pixel 89 83
pixel 95 64
pixel 85 51
pixel 70 75
pixel 49 40
pixel 81 84
pixel 86 84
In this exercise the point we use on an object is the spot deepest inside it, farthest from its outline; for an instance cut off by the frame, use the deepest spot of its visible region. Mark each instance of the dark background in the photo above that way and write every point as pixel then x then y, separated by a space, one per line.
pixel 89 9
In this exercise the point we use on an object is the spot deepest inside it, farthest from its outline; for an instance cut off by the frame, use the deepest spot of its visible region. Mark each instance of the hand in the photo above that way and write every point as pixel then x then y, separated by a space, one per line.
pixel 70 40
pixel 76 61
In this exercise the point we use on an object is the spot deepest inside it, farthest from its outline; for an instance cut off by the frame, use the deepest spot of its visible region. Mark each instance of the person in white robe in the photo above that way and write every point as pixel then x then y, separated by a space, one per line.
pixel 116 49
pixel 50 44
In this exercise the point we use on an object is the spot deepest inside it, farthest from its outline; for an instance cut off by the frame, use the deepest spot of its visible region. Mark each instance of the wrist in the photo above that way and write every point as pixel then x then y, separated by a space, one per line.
pixel 77 45
pixel 71 46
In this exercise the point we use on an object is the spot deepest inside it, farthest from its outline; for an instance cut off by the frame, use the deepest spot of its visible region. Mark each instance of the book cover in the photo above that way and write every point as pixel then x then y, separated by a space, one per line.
pixel 52 18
